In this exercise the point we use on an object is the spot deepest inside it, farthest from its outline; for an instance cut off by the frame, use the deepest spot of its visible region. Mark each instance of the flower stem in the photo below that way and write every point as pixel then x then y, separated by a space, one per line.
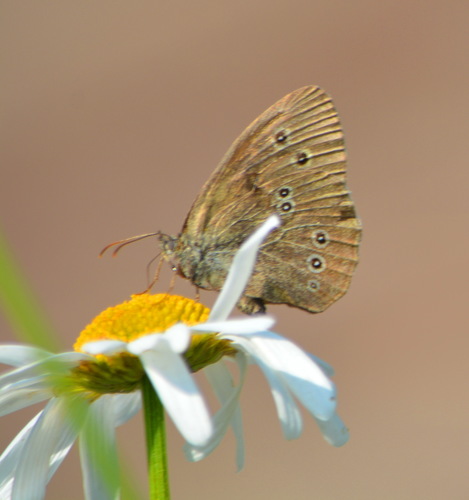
pixel 156 443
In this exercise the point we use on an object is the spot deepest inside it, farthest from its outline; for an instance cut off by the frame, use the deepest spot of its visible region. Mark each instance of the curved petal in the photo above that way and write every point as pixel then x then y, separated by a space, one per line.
pixel 179 394
pixel 241 270
pixel 126 406
pixel 303 377
pixel 242 325
pixel 44 445
pixel 22 376
pixel 177 338
pixel 107 347
pixel 229 414
pixel 144 343
pixel 56 364
pixel 287 410
pixel 98 451
pixel 19 355
pixel 326 367
pixel 334 430
pixel 23 394
pixel 11 456
pixel 31 384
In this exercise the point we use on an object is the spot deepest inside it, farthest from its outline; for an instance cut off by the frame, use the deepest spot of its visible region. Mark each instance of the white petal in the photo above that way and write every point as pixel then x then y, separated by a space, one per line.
pixel 17 396
pixel 58 364
pixel 144 343
pixel 98 453
pixel 303 377
pixel 241 270
pixel 50 434
pixel 229 414
pixel 19 355
pixel 326 367
pixel 21 375
pixel 11 456
pixel 251 324
pixel 287 410
pixel 30 384
pixel 232 413
pixel 126 406
pixel 58 456
pixel 106 347
pixel 334 430
pixel 68 359
pixel 177 338
pixel 179 394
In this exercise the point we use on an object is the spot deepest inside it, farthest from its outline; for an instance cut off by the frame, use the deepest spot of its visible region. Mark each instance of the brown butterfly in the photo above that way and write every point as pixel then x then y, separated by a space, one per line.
pixel 290 161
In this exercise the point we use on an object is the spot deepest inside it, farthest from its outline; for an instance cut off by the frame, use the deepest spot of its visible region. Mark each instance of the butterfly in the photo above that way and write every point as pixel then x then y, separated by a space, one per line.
pixel 290 161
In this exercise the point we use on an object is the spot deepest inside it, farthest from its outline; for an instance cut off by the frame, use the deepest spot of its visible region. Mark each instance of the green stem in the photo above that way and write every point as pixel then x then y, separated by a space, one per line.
pixel 156 443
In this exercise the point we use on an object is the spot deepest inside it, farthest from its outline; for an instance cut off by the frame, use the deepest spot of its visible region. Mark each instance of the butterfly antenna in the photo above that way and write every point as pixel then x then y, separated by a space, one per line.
pixel 122 243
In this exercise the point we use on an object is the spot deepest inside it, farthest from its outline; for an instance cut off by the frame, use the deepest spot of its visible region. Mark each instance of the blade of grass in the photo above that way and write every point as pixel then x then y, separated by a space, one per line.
pixel 20 305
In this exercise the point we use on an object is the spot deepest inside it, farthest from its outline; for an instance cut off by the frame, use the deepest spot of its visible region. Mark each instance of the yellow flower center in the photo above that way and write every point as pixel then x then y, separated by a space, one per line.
pixel 141 315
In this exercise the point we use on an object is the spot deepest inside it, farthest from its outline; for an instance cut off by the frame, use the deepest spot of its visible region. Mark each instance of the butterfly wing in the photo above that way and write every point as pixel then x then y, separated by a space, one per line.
pixel 290 161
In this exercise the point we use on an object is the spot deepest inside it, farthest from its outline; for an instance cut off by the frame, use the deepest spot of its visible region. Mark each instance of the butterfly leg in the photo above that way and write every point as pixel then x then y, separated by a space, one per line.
pixel 251 305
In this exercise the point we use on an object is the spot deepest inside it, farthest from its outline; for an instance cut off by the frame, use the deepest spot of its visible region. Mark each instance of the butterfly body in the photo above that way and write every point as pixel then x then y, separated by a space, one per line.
pixel 289 161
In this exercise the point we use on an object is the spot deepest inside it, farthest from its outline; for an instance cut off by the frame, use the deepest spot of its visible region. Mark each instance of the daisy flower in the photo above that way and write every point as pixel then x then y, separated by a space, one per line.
pixel 150 346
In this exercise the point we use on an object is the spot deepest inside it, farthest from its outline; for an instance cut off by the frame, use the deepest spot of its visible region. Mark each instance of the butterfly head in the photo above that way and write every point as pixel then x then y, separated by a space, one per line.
pixel 167 244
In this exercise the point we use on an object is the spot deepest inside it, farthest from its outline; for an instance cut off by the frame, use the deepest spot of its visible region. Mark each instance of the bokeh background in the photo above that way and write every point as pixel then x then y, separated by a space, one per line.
pixel 113 115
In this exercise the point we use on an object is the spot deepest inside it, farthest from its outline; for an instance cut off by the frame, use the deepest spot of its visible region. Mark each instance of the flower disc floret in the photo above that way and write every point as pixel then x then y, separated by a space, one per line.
pixel 141 315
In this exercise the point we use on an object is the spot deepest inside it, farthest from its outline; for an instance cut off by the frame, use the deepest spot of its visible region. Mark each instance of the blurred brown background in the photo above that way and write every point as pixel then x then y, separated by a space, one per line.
pixel 113 115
